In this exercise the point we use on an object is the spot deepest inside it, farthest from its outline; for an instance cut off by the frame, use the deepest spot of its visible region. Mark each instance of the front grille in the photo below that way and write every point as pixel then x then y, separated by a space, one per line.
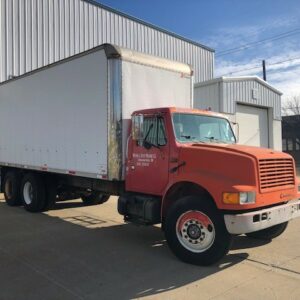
pixel 275 173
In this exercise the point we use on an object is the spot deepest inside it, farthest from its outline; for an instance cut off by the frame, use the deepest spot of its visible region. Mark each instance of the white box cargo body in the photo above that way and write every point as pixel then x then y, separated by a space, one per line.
pixel 72 117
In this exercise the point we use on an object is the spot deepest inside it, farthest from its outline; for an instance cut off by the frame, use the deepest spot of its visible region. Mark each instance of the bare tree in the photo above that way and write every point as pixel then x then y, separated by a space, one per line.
pixel 291 106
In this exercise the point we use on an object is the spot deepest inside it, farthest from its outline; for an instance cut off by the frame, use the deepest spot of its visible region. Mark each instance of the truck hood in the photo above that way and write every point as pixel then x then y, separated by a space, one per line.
pixel 255 152
pixel 227 168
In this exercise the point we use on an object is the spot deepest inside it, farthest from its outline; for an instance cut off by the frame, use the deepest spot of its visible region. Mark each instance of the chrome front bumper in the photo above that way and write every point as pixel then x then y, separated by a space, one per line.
pixel 261 219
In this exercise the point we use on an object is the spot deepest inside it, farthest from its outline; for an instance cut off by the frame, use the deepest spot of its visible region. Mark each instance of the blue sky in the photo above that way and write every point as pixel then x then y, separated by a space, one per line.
pixel 224 25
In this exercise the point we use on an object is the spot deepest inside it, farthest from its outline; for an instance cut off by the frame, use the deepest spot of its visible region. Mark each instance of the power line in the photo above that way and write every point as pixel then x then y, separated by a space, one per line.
pixel 283 61
pixel 251 44
pixel 259 66
pixel 241 70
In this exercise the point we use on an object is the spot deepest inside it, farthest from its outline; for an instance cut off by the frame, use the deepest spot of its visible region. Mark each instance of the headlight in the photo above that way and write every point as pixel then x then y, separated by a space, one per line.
pixel 247 198
pixel 239 198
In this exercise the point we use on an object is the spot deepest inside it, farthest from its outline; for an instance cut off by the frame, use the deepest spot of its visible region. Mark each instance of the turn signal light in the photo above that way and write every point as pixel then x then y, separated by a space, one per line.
pixel 231 198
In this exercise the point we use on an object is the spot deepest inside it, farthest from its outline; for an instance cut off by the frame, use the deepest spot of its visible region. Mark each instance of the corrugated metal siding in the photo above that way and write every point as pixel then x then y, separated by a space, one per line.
pixel 241 92
pixel 207 96
pixel 35 33
pixel 236 91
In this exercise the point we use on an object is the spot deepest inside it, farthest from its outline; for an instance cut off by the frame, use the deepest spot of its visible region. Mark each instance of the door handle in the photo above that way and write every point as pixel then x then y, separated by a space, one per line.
pixel 173 170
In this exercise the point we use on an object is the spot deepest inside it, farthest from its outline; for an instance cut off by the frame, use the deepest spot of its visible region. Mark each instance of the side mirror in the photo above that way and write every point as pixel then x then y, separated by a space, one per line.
pixel 236 130
pixel 137 128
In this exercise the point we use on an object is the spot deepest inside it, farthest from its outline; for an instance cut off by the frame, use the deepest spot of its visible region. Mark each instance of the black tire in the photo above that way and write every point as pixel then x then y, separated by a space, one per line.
pixel 33 193
pixel 269 233
pixel 51 193
pixel 94 198
pixel 12 184
pixel 219 246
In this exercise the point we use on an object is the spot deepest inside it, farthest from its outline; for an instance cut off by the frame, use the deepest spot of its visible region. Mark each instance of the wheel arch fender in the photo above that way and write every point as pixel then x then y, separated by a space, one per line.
pixel 180 189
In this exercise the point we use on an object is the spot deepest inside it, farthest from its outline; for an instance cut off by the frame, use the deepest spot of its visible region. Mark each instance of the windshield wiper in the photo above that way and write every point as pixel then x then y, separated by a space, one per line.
pixel 188 137
pixel 213 139
pixel 193 138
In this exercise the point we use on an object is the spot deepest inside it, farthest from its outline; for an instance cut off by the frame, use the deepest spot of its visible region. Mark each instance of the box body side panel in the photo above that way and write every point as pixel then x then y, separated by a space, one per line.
pixel 56 119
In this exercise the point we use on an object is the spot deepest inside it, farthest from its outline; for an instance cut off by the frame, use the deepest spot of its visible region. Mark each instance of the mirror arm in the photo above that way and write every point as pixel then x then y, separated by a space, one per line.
pixel 238 131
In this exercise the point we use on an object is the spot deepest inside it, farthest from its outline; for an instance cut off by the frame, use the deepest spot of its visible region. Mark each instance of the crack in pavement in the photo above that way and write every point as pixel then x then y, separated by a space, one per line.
pixel 273 266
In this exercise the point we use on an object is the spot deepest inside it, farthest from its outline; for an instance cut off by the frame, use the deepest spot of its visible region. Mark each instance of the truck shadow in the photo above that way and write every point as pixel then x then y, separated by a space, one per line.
pixel 244 242
pixel 90 257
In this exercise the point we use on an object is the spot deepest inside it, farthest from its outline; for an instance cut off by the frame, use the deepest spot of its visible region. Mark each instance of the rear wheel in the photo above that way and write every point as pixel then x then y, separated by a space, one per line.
pixel 195 231
pixel 33 192
pixel 94 198
pixel 12 188
pixel 269 233
pixel 51 193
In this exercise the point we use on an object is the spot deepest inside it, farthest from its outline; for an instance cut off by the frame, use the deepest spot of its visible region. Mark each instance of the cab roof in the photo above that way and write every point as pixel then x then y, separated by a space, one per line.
pixel 178 110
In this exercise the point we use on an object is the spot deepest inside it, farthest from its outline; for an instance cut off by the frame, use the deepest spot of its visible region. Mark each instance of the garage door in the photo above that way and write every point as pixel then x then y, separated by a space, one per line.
pixel 253 125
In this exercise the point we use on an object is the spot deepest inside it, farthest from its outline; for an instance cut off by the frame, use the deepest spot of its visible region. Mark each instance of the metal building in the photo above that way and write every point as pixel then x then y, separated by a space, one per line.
pixel 35 33
pixel 249 101
pixel 291 138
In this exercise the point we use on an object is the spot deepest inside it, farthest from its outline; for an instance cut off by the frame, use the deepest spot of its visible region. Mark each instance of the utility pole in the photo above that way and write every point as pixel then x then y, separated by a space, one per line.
pixel 264 70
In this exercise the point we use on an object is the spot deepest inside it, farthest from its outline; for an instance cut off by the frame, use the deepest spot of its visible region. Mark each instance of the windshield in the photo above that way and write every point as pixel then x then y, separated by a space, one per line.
pixel 200 128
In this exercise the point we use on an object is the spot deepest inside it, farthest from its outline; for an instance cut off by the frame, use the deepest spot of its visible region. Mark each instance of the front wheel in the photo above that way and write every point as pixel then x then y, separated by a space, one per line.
pixel 94 198
pixel 269 233
pixel 195 231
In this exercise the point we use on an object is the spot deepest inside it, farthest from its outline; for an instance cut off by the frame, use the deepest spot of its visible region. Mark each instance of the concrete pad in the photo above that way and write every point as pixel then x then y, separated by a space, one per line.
pixel 21 280
pixel 77 252
pixel 265 286
pixel 275 252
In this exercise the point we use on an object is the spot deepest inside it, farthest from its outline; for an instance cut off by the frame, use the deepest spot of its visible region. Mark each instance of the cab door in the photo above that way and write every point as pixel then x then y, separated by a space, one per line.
pixel 147 169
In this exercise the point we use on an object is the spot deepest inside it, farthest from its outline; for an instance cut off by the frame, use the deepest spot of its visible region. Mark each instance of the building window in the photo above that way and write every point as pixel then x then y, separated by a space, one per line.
pixel 284 145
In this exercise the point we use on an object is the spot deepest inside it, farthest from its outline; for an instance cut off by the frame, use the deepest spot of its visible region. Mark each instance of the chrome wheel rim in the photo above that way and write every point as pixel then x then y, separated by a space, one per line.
pixel 195 231
pixel 28 193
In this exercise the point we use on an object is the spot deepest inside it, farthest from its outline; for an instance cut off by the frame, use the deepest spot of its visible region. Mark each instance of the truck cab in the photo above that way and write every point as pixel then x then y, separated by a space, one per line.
pixel 185 170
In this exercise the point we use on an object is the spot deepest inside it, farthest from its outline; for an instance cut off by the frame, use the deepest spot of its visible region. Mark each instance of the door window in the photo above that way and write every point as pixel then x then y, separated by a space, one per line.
pixel 154 131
